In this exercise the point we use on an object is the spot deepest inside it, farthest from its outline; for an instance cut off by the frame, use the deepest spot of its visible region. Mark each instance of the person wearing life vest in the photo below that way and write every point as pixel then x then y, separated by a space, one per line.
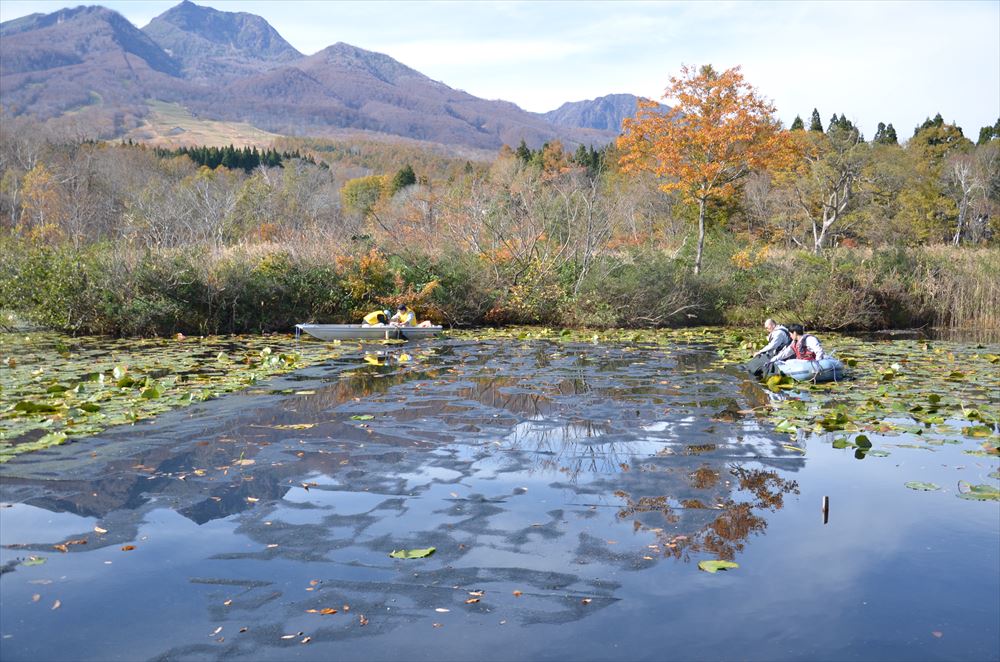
pixel 377 318
pixel 406 317
pixel 804 347
pixel 777 339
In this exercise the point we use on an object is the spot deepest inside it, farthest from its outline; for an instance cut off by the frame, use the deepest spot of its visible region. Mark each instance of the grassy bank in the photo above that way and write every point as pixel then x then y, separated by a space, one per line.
pixel 101 289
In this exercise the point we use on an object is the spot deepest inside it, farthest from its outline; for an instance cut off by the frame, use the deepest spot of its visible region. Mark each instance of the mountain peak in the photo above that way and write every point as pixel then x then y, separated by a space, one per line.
pixel 347 57
pixel 71 35
pixel 195 34
pixel 604 113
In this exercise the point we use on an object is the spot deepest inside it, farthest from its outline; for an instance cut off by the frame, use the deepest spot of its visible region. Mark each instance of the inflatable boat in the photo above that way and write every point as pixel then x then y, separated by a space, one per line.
pixel 824 370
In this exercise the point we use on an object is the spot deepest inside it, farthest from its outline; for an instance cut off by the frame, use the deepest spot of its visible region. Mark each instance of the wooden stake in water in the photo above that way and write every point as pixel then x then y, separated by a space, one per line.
pixel 826 509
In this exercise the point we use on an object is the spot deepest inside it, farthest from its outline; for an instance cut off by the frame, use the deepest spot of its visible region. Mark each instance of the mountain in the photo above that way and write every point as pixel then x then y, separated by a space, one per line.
pixel 91 63
pixel 603 113
pixel 210 44
pixel 77 60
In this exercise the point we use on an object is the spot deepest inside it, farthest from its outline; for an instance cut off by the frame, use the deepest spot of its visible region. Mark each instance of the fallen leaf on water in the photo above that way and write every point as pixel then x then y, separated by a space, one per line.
pixel 216 631
pixel 252 499
pixel 362 620
pixel 442 610
pixel 472 601
pixel 307 640
pixel 228 602
pixel 61 548
pixel 518 594
pixel 715 566
pixel 272 545
pixel 586 601
pixel 937 634
pixel 438 625
pixel 100 530
pixel 648 558
pixel 347 607
pixel 243 629
pixel 288 636
pixel 36 597
pixel 128 548
pixel 611 542
pixel 477 594
pixel 245 463
pixel 56 604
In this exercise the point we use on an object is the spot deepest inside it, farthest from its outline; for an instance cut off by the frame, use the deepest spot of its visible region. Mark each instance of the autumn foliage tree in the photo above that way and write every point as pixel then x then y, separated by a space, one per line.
pixel 719 130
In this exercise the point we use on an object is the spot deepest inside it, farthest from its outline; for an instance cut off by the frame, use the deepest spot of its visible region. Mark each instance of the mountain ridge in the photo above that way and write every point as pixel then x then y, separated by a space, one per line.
pixel 91 61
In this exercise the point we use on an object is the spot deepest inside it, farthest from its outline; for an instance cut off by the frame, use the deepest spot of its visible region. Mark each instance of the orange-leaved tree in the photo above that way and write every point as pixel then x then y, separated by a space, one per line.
pixel 718 132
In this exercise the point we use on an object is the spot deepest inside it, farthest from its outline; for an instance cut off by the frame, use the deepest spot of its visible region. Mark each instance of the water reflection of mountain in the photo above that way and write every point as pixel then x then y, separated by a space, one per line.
pixel 654 434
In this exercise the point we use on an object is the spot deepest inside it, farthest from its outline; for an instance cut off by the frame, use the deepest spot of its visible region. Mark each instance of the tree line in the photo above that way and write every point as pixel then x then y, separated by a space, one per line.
pixel 537 232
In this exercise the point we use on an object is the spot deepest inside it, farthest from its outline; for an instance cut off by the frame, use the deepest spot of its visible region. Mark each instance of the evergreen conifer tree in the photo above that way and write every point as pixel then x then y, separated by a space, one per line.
pixel 523 152
pixel 403 178
pixel 890 135
pixel 815 123
pixel 797 124
pixel 988 133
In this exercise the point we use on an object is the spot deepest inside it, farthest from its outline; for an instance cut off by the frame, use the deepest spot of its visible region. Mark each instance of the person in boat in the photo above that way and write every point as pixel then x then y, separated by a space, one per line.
pixel 777 339
pixel 804 346
pixel 377 318
pixel 406 317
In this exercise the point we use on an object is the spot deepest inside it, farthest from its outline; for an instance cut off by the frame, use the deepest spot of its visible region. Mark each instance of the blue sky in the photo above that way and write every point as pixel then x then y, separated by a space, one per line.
pixel 895 62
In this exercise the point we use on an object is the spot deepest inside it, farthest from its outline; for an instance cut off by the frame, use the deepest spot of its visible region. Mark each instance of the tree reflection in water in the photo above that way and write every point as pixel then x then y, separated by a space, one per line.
pixel 725 535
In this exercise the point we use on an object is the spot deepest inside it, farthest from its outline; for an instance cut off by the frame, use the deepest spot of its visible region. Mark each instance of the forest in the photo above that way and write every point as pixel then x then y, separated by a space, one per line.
pixel 815 223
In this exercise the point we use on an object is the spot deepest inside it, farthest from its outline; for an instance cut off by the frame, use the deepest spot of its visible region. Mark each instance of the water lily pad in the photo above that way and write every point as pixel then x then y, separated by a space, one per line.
pixel 715 566
pixel 978 492
pixel 412 553
pixel 362 417
pixel 925 487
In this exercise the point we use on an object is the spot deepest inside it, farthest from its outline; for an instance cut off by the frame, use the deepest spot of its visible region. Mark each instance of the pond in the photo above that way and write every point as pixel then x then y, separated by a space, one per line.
pixel 574 489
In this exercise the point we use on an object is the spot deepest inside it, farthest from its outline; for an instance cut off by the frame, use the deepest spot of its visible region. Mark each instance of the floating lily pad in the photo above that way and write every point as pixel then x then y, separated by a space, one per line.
pixel 925 487
pixel 362 417
pixel 715 566
pixel 412 553
pixel 978 492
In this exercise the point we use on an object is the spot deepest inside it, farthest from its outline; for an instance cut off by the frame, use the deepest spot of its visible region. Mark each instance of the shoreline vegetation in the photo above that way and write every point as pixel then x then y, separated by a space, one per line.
pixel 103 289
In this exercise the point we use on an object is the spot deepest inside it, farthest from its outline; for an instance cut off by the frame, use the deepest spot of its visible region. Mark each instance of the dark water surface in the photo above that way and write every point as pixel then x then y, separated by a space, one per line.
pixel 569 489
